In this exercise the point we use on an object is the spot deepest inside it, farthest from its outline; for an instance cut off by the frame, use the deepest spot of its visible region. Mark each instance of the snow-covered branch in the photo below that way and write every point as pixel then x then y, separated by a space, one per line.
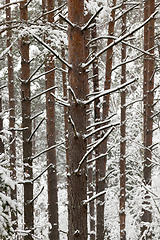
pixel 94 197
pixel 118 40
pixel 108 91
pixel 92 148
pixel 73 126
pixel 9 4
pixel 41 93
pixel 91 20
pixel 29 202
pixel 36 129
pixel 51 50
pixel 42 74
pixel 67 20
pixel 37 69
pixel 61 101
pixel 46 150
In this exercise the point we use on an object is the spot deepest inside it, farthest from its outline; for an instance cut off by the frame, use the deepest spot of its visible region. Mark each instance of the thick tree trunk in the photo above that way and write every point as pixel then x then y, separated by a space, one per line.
pixel 123 140
pixel 148 96
pixel 77 182
pixel 26 123
pixel 51 140
pixel 12 110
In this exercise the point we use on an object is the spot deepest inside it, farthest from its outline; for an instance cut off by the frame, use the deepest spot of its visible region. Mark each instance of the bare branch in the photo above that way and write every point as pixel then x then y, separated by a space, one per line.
pixel 74 127
pixel 100 156
pixel 108 91
pixel 92 148
pixel 73 94
pixel 3 86
pixel 35 71
pixel 39 94
pixel 91 20
pixel 85 65
pixel 51 50
pixel 36 129
pixel 31 201
pixel 36 115
pixel 67 20
pixel 42 74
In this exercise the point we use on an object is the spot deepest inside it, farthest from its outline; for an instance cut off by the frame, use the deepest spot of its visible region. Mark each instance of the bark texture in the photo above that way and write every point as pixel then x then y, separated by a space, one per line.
pixel 26 123
pixel 77 182
pixel 148 97
pixel 123 140
pixel 51 140
pixel 12 109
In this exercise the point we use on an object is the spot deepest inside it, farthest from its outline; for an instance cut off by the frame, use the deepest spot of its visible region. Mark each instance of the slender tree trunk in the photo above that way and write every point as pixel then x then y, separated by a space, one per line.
pixel 148 94
pixel 77 181
pixel 1 125
pixel 51 140
pixel 123 139
pixel 12 110
pixel 105 113
pixel 26 123
pixel 100 171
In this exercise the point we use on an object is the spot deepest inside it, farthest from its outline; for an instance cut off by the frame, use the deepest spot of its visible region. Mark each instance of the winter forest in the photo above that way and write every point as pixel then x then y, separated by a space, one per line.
pixel 79 120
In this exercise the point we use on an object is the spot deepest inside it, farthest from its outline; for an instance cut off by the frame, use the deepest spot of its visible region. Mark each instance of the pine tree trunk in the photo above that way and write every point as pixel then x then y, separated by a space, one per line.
pixel 51 140
pixel 123 139
pixel 26 123
pixel 148 96
pixel 77 182
pixel 12 110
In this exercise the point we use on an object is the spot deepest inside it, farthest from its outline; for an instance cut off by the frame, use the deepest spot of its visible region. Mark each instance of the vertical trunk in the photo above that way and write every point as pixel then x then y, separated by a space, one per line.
pixel 26 123
pixel 105 113
pixel 1 125
pixel 51 140
pixel 123 140
pixel 12 109
pixel 100 168
pixel 77 182
pixel 148 94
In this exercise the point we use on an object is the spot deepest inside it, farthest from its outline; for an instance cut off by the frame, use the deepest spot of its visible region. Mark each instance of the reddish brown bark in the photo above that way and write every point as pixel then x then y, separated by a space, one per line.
pixel 12 108
pixel 77 182
pixel 26 123
pixel 103 148
pixel 1 125
pixel 51 140
pixel 123 140
pixel 148 94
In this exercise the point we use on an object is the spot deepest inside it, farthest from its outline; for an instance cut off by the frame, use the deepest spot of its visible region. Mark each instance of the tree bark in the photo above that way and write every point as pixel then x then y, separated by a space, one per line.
pixel 123 138
pixel 26 123
pixel 12 110
pixel 51 140
pixel 148 96
pixel 77 182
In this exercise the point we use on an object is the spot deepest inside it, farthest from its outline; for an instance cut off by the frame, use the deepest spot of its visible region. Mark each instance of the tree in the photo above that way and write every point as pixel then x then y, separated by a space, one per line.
pixel 11 106
pixel 77 211
pixel 26 124
pixel 51 141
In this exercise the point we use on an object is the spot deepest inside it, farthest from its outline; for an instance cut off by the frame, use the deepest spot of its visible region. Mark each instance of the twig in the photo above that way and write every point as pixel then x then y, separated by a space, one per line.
pixel 35 129
pixel 42 74
pixel 92 148
pixel 39 94
pixel 35 71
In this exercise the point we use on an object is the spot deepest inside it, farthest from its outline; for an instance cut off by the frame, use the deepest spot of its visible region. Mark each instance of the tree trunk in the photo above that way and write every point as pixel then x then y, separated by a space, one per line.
pixel 148 96
pixel 123 139
pixel 12 110
pixel 77 181
pixel 105 114
pixel 26 123
pixel 51 140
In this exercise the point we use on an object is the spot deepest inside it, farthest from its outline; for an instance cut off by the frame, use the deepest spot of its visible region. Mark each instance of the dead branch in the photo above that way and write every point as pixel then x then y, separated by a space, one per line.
pixel 35 71
pixel 61 101
pixel 9 4
pixel 67 20
pixel 91 20
pixel 73 126
pixel 31 201
pixel 94 197
pixel 42 74
pixel 36 129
